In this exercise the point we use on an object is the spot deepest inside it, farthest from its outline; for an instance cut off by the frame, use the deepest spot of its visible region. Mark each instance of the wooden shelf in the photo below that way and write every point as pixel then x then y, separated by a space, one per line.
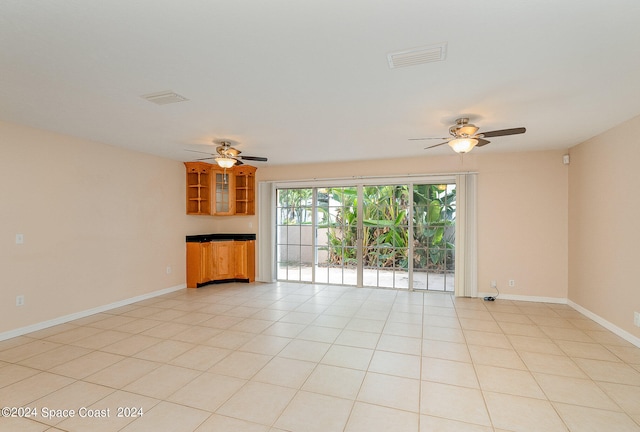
pixel 198 188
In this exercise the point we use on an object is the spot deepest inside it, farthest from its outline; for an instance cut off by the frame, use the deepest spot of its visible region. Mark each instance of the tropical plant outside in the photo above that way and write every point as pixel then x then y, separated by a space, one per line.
pixel 385 224
pixel 433 227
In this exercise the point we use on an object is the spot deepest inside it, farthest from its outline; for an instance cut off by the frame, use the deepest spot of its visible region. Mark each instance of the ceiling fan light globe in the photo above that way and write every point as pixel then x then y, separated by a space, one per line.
pixel 462 145
pixel 225 162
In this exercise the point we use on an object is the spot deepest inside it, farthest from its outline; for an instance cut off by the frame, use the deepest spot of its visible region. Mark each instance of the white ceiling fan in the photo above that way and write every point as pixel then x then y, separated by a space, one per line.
pixel 228 156
pixel 465 136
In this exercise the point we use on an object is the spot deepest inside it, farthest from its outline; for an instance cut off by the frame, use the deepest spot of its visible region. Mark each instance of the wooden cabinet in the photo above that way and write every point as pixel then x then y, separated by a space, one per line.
pixel 245 183
pixel 198 188
pixel 220 192
pixel 222 260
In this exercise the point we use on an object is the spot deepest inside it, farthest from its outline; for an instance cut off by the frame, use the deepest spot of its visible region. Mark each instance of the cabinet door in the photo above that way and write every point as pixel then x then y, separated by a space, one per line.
pixel 223 260
pixel 240 252
pixel 223 184
pixel 198 264
pixel 245 260
pixel 251 260
pixel 207 262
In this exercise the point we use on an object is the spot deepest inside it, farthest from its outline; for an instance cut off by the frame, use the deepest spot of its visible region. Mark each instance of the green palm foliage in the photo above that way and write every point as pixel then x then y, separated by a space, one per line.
pixel 294 206
pixel 433 227
pixel 385 221
pixel 338 210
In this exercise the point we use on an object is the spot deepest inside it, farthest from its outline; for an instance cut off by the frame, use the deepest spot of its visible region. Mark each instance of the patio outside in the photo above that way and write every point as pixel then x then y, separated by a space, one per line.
pixel 371 277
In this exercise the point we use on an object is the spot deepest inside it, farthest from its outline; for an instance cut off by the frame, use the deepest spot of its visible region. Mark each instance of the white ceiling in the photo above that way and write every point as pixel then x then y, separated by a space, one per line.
pixel 308 81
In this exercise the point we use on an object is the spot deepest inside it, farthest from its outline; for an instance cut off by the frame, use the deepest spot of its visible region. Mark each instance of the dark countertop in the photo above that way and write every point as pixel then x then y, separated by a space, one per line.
pixel 204 238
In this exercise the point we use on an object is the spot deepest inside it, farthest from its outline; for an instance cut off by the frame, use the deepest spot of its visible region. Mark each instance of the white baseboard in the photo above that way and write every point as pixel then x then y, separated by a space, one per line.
pixel 606 324
pixel 77 315
pixel 503 296
pixel 603 322
pixel 265 280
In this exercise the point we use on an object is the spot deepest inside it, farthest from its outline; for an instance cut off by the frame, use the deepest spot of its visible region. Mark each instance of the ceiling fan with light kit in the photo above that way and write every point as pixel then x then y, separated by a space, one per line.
pixel 227 156
pixel 465 136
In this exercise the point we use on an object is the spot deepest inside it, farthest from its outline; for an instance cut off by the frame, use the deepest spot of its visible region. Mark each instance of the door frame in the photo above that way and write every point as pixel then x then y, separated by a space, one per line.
pixel 466 220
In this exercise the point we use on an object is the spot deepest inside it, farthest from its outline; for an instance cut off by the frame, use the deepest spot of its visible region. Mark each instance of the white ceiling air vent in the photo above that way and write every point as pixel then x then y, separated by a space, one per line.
pixel 417 56
pixel 165 97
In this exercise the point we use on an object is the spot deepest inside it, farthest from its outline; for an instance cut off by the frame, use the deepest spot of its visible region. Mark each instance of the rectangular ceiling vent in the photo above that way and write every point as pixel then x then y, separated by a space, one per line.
pixel 164 98
pixel 417 56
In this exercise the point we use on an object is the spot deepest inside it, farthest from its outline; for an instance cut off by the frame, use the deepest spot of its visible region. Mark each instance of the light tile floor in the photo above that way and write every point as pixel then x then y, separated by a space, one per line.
pixel 295 357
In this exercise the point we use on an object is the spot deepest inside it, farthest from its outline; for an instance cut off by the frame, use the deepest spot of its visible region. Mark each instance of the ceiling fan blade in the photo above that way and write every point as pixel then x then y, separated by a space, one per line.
pixel 482 142
pixel 422 139
pixel 205 159
pixel 196 151
pixel 503 132
pixel 437 145
pixel 253 158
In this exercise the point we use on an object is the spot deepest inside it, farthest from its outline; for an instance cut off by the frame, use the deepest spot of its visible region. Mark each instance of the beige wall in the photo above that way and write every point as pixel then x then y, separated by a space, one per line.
pixel 522 212
pixel 100 224
pixel 522 224
pixel 604 235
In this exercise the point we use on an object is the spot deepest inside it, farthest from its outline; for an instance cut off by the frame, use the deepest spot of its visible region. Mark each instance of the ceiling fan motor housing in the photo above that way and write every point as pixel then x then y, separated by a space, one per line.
pixel 463 128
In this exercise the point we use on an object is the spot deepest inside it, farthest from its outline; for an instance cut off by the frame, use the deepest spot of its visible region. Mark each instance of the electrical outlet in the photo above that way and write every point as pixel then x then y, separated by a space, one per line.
pixel 494 284
pixel 636 319
pixel 20 300
pixel 169 270
pixel 512 283
pixel 19 238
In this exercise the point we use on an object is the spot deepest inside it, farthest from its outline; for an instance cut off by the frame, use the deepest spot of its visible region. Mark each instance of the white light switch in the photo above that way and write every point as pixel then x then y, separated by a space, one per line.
pixel 19 238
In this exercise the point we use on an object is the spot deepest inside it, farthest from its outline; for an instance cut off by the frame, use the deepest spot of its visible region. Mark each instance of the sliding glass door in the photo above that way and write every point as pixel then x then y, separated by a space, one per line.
pixel 386 235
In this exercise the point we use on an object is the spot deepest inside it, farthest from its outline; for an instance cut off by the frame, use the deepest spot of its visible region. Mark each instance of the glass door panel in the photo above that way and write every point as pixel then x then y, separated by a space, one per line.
pixel 434 213
pixel 222 190
pixel 336 235
pixel 386 236
pixel 294 235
